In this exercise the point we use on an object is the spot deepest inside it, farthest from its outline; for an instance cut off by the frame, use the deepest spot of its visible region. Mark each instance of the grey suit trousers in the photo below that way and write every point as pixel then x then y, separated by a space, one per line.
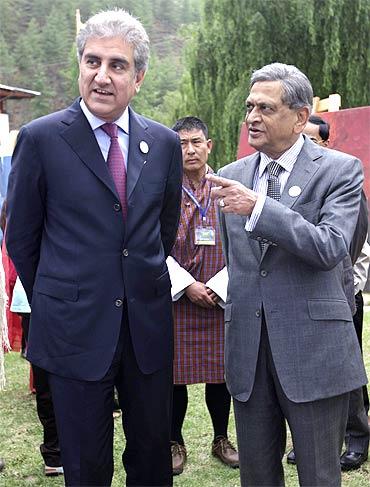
pixel 317 428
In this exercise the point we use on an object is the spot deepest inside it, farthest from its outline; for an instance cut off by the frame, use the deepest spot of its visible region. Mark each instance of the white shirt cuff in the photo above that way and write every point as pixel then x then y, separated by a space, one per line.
pixel 256 213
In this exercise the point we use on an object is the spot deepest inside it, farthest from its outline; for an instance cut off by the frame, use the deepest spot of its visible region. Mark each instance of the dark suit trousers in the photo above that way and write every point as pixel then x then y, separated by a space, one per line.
pixel 50 447
pixel 85 422
pixel 357 431
pixel 317 429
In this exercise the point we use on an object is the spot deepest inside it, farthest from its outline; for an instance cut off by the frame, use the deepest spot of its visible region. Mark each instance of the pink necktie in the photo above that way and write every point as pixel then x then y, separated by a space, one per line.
pixel 116 164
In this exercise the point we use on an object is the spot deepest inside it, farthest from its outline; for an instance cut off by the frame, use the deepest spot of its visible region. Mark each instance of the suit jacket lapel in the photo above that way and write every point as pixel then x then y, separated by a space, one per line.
pixel 139 135
pixel 302 172
pixel 77 132
pixel 251 166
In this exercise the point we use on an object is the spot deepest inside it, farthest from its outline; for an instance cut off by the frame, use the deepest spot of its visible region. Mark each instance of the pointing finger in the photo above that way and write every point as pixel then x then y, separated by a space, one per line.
pixel 219 181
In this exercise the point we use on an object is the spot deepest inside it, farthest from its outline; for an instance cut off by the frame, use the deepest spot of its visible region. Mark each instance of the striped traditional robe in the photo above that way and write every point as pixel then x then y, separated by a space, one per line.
pixel 199 332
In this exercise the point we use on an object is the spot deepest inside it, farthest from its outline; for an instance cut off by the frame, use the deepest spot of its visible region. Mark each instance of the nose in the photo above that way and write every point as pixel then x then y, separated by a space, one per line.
pixel 252 115
pixel 191 149
pixel 102 75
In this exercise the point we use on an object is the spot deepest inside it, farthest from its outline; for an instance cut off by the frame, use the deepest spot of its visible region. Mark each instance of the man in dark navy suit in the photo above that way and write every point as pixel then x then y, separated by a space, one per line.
pixel 94 200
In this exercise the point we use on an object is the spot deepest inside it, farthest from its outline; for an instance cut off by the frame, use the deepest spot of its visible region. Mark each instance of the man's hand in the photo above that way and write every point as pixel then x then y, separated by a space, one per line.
pixel 200 294
pixel 232 196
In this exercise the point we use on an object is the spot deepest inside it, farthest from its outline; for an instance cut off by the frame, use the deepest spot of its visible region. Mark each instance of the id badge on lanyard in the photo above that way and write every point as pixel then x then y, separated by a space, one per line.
pixel 204 234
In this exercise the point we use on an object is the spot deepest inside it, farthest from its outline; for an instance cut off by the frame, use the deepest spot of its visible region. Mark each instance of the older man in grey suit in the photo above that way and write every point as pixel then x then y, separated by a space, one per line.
pixel 287 216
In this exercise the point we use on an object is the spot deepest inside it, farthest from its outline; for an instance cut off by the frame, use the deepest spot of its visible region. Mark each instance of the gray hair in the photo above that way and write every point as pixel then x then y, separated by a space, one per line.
pixel 117 23
pixel 297 89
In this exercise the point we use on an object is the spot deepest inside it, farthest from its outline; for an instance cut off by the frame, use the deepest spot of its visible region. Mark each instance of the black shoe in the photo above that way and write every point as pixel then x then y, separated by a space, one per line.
pixel 290 458
pixel 351 460
pixel 2 464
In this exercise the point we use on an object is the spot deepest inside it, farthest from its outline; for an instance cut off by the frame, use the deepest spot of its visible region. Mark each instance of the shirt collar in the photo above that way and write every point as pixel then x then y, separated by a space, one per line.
pixel 286 160
pixel 95 122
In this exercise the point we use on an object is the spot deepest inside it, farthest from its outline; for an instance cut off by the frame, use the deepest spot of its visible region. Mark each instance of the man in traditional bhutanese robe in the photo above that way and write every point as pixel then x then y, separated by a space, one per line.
pixel 196 259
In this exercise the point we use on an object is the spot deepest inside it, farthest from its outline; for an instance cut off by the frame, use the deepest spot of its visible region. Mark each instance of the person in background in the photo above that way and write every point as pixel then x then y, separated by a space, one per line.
pixel 199 283
pixel 357 429
pixel 4 341
pixel 14 322
pixel 287 217
pixel 49 449
pixel 356 265
pixel 94 200
pixel 318 130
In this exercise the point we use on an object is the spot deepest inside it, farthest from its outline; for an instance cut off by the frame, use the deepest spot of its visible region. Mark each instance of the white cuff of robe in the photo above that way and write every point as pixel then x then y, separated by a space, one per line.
pixel 180 278
pixel 218 283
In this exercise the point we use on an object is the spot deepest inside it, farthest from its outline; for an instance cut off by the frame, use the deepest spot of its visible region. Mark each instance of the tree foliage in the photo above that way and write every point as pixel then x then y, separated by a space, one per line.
pixel 37 50
pixel 225 41
pixel 329 41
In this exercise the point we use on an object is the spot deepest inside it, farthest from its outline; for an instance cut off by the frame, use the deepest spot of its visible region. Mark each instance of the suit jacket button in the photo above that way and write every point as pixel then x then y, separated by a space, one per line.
pixel 263 273
pixel 117 207
pixel 118 303
pixel 258 313
pixel 125 253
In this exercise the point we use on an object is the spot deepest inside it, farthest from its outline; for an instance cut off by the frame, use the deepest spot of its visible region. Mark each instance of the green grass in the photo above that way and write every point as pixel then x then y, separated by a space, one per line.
pixel 20 436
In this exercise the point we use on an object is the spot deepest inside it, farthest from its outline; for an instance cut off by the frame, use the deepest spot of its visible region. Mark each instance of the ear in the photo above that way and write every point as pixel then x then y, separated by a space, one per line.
pixel 209 145
pixel 302 118
pixel 140 75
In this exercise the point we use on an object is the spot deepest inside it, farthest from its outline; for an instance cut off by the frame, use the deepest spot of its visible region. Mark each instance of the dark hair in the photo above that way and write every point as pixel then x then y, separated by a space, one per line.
pixel 324 127
pixel 191 123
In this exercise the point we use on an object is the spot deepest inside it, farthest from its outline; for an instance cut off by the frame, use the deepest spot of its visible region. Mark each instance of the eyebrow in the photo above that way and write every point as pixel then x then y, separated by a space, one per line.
pixel 195 138
pixel 122 60
pixel 258 103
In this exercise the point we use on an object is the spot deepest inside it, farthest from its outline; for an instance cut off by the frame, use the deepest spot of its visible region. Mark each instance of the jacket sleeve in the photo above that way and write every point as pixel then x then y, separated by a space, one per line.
pixel 25 209
pixel 170 215
pixel 325 243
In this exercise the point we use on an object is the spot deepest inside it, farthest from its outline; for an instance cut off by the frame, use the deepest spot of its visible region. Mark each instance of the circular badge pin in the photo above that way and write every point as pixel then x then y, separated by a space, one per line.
pixel 144 147
pixel 294 191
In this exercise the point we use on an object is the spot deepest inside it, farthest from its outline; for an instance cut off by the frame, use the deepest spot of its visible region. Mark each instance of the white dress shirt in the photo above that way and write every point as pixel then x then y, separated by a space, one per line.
pixel 102 138
pixel 286 161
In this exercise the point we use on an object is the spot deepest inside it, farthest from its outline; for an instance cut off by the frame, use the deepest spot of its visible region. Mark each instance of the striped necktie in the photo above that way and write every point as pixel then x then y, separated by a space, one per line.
pixel 116 164
pixel 273 187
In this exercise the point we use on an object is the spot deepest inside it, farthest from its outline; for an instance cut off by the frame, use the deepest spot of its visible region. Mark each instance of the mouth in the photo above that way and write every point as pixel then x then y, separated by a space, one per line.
pixel 254 132
pixel 101 92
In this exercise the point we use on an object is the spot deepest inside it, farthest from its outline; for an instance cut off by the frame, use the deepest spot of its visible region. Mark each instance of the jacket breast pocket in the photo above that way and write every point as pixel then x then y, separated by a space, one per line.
pixel 329 310
pixel 50 286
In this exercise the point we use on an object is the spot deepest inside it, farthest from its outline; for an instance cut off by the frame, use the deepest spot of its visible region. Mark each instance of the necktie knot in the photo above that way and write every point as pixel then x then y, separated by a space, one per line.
pixel 274 169
pixel 110 129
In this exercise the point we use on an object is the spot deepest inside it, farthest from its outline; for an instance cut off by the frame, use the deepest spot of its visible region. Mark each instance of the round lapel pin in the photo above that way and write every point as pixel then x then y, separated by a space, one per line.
pixel 144 147
pixel 294 191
